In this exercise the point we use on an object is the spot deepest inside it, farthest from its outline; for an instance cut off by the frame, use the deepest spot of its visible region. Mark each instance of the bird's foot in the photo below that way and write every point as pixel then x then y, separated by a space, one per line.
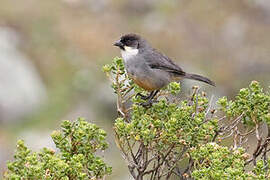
pixel 143 97
pixel 148 103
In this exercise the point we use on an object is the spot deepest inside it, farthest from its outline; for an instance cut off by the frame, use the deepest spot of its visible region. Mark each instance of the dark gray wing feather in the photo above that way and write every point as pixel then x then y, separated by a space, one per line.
pixel 157 60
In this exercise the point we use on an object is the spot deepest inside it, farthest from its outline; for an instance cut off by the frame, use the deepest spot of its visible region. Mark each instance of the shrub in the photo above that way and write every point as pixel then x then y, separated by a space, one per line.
pixel 185 138
pixel 77 143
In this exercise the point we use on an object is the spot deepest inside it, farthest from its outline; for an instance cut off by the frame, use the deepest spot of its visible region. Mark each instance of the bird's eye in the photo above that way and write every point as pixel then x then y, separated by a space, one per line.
pixel 128 42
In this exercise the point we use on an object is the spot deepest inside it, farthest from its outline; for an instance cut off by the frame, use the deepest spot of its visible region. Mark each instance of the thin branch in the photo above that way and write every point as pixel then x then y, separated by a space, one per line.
pixel 190 164
pixel 209 104
pixel 131 152
pixel 163 159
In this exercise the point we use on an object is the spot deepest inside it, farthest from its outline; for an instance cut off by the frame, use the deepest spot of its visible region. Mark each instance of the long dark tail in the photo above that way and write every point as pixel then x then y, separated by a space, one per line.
pixel 199 78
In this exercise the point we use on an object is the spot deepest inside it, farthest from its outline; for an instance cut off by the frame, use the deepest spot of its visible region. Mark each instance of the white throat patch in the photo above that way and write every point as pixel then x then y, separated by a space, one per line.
pixel 128 53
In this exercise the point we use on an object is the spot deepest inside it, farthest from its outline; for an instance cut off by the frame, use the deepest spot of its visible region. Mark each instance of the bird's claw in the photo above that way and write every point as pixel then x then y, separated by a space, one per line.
pixel 148 103
pixel 143 97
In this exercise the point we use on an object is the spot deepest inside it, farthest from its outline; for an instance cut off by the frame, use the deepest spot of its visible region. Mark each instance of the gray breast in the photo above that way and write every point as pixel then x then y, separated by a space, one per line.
pixel 139 71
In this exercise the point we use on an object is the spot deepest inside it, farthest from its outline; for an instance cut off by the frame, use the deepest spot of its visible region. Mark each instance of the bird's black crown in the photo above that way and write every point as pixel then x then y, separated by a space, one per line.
pixel 131 40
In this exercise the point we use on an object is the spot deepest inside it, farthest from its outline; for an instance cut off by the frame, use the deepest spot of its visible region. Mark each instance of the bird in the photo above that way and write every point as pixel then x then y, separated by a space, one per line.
pixel 149 68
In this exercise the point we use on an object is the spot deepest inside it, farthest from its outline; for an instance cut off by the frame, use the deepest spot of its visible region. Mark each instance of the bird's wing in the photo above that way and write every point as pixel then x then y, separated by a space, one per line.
pixel 157 60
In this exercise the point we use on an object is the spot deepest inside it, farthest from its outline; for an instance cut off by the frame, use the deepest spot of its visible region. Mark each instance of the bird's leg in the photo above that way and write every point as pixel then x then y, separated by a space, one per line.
pixel 145 97
pixel 150 99
pixel 154 94
pixel 142 96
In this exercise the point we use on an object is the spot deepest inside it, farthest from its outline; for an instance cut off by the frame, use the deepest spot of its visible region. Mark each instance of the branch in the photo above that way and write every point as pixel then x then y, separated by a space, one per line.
pixel 160 163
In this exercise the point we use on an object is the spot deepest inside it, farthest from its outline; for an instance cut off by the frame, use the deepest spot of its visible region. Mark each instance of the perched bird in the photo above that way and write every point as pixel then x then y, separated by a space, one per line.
pixel 150 69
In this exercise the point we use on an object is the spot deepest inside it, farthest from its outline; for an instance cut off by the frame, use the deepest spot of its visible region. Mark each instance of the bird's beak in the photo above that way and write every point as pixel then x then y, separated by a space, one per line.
pixel 119 44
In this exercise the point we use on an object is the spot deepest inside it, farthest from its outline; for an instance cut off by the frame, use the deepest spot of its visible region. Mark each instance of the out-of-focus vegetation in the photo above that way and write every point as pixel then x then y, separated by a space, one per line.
pixel 67 41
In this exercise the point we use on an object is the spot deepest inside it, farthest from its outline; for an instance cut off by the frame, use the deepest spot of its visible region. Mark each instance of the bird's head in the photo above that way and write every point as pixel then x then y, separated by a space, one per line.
pixel 130 42
pixel 130 45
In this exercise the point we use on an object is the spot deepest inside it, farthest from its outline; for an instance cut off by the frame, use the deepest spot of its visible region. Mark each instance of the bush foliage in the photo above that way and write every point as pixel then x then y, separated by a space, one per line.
pixel 182 138
pixel 186 138
pixel 77 143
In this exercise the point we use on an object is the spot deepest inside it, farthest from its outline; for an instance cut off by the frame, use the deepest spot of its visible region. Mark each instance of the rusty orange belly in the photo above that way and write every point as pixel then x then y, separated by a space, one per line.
pixel 145 84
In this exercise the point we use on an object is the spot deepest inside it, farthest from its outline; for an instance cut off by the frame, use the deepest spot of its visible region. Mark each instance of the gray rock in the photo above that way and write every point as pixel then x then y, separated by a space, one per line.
pixel 21 88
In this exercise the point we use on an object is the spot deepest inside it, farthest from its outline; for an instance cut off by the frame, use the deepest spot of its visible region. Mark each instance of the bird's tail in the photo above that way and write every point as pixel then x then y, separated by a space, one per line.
pixel 199 78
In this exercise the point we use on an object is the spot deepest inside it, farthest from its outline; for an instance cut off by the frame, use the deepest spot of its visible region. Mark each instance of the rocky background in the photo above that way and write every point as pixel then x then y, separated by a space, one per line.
pixel 51 54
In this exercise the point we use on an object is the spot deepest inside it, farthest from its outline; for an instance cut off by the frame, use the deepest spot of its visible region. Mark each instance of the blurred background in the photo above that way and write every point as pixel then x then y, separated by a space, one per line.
pixel 52 53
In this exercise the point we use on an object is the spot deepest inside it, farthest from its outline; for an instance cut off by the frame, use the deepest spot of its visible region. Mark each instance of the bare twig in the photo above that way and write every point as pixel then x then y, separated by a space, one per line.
pixel 209 104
